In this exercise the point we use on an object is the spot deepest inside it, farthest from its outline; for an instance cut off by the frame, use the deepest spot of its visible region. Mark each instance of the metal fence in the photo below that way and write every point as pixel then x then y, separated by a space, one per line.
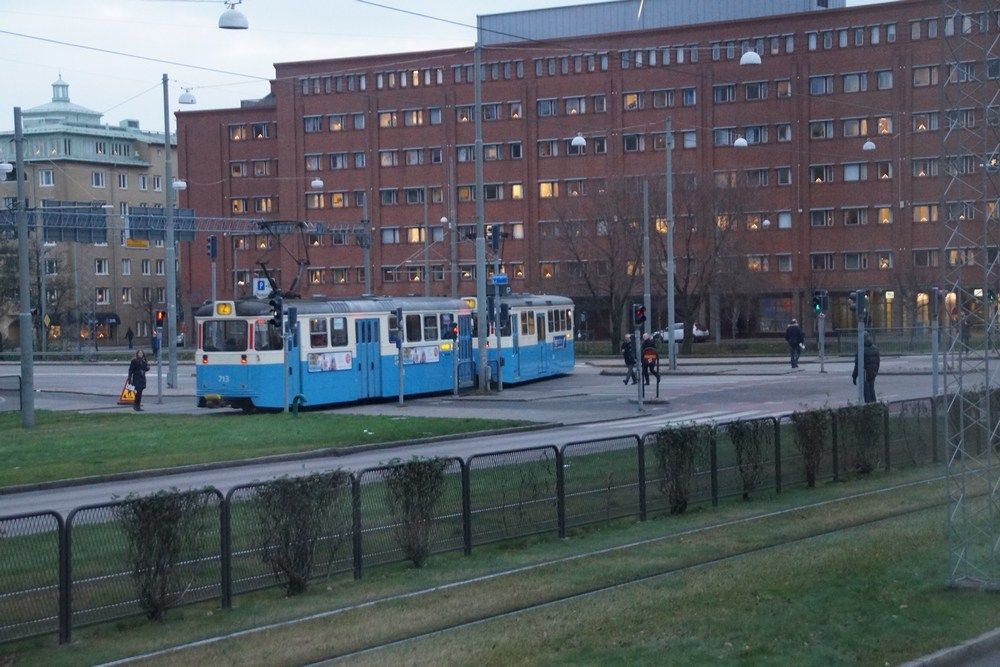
pixel 55 576
pixel 10 393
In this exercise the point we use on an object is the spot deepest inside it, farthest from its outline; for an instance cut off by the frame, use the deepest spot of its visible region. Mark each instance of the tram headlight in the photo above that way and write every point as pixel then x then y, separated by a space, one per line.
pixel 446 346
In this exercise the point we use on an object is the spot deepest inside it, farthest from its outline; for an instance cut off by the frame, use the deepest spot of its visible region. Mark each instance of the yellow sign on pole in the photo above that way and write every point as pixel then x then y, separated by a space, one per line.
pixel 136 243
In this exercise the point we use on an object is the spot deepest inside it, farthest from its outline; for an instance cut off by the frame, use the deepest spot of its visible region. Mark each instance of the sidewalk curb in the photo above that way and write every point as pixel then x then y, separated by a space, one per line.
pixel 328 452
pixel 977 647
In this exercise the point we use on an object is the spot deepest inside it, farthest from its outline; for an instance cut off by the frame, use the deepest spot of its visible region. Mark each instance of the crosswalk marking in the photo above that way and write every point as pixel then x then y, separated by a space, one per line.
pixel 679 418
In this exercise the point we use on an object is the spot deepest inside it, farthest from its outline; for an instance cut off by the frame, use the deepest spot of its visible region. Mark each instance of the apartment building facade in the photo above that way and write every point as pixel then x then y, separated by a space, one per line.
pixel 841 185
pixel 82 179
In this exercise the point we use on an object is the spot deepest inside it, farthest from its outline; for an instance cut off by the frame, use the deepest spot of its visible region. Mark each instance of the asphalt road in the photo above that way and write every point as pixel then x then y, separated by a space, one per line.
pixel 589 404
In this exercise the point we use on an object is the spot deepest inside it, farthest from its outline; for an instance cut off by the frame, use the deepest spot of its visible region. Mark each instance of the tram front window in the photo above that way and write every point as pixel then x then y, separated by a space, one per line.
pixel 224 336
pixel 266 336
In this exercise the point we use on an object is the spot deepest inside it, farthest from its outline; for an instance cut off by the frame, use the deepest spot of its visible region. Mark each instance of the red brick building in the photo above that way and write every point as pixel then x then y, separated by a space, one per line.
pixel 388 133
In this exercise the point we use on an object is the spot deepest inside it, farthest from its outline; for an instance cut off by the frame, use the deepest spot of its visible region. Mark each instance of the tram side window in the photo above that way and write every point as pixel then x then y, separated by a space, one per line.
pixel 447 322
pixel 266 336
pixel 551 317
pixel 413 328
pixel 224 336
pixel 528 323
pixel 430 327
pixel 569 320
pixel 317 333
pixel 338 331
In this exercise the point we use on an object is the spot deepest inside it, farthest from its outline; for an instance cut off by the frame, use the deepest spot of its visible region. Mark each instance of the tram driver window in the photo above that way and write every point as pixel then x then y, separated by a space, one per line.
pixel 338 331
pixel 317 333
pixel 224 336
pixel 413 328
pixel 430 327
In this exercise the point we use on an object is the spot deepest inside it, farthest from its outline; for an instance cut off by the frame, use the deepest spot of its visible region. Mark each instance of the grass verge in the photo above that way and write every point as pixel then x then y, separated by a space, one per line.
pixel 64 445
pixel 865 594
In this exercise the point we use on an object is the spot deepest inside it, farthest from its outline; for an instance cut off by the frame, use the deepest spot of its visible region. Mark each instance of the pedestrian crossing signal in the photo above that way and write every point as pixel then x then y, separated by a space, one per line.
pixel 638 314
pixel 161 317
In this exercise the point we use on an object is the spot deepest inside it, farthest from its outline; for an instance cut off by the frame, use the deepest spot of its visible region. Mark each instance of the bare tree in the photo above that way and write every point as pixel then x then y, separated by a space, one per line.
pixel 709 218
pixel 600 239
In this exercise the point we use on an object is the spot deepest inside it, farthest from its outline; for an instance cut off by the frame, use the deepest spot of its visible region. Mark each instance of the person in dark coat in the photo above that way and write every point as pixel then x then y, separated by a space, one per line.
pixel 648 367
pixel 129 336
pixel 871 362
pixel 795 339
pixel 628 354
pixel 137 369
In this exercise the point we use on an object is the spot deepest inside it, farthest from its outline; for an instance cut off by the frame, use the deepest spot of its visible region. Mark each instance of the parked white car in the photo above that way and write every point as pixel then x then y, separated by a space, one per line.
pixel 700 335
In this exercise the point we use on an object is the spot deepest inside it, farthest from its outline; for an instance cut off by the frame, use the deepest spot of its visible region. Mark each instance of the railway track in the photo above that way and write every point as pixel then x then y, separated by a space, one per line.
pixel 333 658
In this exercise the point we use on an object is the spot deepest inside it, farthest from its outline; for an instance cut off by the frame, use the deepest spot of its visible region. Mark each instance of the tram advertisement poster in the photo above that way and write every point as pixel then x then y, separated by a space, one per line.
pixel 421 354
pixel 329 361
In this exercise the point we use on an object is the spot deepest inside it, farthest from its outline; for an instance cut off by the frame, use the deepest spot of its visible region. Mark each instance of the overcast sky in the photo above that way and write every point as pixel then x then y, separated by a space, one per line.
pixel 185 33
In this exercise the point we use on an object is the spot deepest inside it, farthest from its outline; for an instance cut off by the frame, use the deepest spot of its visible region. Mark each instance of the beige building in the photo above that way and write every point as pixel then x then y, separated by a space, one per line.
pixel 83 180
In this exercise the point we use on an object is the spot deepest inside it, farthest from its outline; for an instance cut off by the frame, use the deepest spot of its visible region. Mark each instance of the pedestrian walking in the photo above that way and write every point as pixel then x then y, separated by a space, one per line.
pixel 796 341
pixel 628 354
pixel 871 362
pixel 129 336
pixel 649 366
pixel 137 369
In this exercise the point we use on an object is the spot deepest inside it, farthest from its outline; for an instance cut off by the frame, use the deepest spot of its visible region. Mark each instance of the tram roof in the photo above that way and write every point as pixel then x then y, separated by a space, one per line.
pixel 380 304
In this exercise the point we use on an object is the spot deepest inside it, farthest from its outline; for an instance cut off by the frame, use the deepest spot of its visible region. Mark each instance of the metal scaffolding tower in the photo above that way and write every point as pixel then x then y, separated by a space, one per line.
pixel 970 257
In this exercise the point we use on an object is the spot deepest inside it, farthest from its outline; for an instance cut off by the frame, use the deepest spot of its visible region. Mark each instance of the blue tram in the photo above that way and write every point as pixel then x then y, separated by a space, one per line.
pixel 345 350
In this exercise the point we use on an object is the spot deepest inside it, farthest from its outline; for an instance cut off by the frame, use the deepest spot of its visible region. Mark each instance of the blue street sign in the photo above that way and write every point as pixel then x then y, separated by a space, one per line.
pixel 500 279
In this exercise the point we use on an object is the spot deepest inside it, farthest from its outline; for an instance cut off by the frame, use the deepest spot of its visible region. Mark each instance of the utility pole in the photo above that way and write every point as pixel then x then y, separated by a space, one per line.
pixel 26 331
pixel 671 350
pixel 481 318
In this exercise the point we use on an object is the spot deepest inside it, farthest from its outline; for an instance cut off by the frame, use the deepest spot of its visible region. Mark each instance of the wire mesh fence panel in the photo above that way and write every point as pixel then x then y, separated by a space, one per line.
pixel 897 340
pixel 677 479
pixel 911 433
pixel 10 393
pixel 277 539
pixel 861 438
pixel 799 446
pixel 746 458
pixel 399 521
pixel 513 493
pixel 601 479
pixel 29 574
pixel 140 555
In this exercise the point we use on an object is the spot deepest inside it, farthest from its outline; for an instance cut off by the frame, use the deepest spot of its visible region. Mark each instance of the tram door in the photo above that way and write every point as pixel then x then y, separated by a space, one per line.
pixel 369 358
pixel 543 346
pixel 515 345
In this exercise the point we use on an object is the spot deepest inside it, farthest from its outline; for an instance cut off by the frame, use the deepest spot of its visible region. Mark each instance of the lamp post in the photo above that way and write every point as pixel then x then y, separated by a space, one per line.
pixel 669 196
pixel 453 254
pixel 481 322
pixel 171 252
pixel 25 330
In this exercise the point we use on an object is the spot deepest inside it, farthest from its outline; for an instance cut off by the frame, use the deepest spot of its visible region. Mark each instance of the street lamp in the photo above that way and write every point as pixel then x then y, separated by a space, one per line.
pixel 453 252
pixel 231 19
pixel 317 183
pixel 868 145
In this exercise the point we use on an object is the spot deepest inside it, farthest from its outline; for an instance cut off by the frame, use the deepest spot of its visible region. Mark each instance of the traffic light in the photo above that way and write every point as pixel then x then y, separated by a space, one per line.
pixel 277 311
pixel 991 295
pixel 638 314
pixel 859 302
pixel 494 236
pixel 212 247
pixel 821 301
pixel 161 318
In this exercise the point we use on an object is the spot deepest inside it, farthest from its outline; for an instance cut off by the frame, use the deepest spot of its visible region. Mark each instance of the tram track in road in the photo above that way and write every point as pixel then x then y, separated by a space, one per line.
pixel 180 649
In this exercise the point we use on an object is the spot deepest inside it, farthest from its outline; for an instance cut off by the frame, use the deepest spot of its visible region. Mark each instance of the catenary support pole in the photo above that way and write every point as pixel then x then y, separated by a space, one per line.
pixel 26 331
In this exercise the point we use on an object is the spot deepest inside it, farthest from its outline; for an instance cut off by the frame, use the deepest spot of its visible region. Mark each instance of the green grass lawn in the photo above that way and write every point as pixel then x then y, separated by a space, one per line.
pixel 872 594
pixel 64 445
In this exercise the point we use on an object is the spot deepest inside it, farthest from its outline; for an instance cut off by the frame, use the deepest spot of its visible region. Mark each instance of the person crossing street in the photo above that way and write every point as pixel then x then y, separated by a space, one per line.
pixel 796 341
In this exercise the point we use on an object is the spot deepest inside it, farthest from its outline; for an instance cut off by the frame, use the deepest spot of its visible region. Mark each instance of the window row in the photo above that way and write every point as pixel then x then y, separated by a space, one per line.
pixel 850 216
pixel 335 122
pixel 855 36
pixel 257 168
pixel 244 132
pixel 851 261
pixel 326 84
